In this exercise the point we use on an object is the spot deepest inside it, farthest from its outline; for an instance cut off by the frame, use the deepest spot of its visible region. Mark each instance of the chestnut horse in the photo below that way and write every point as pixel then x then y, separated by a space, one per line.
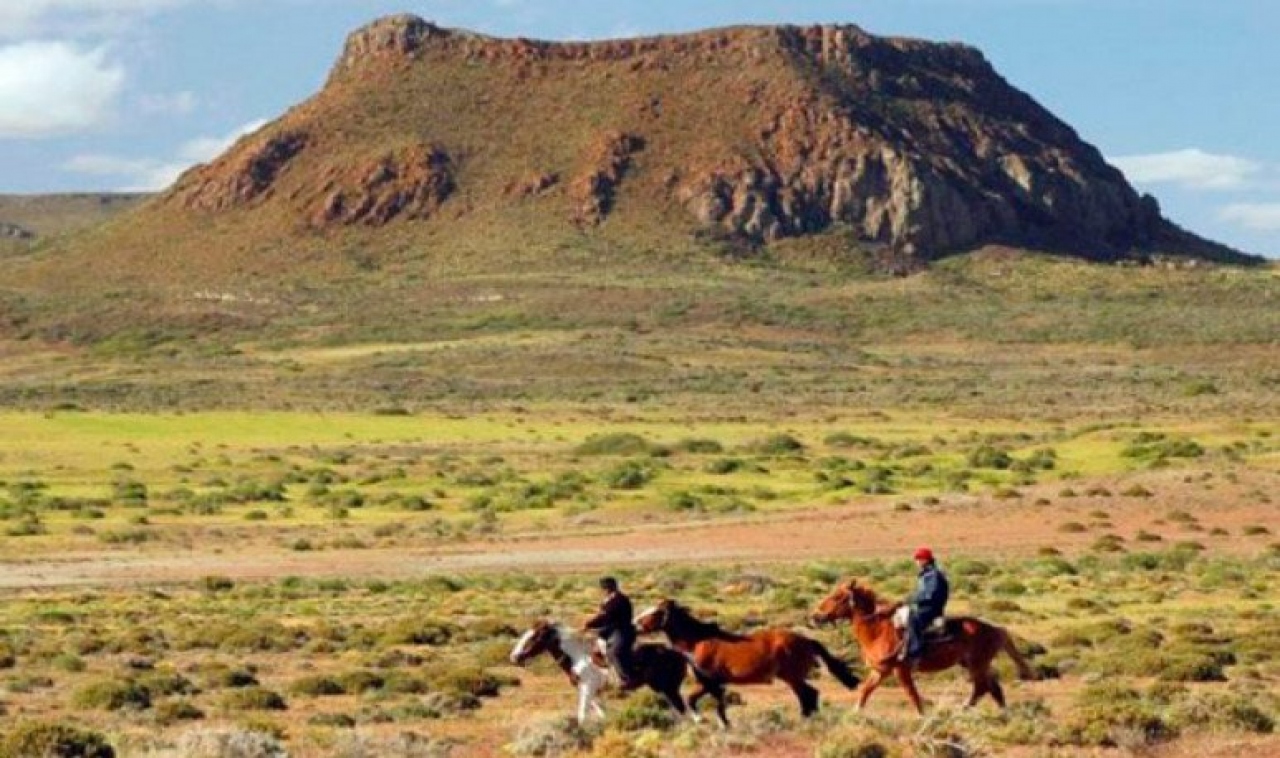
pixel 720 657
pixel 660 668
pixel 968 642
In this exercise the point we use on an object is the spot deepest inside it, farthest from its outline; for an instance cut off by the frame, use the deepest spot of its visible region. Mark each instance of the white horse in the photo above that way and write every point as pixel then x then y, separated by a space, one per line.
pixel 572 654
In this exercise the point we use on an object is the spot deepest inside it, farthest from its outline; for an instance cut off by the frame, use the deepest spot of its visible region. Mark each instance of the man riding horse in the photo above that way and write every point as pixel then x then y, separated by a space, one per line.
pixel 927 603
pixel 613 624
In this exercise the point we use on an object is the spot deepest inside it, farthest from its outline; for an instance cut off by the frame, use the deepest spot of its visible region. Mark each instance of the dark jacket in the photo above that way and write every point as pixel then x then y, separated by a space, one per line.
pixel 614 617
pixel 932 592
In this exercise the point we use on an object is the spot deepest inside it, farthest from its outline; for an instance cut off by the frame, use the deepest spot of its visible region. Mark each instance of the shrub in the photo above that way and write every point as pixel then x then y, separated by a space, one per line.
pixel 699 446
pixel 559 736
pixel 723 466
pixel 776 444
pixel 628 475
pixel 418 631
pixel 252 698
pixel 217 583
pixel 171 712
pixel 36 740
pixel 112 695
pixel 617 443
pixel 467 681
pixel 316 686
pixel 226 743
pixel 1111 714
pixel 646 710
pixel 989 456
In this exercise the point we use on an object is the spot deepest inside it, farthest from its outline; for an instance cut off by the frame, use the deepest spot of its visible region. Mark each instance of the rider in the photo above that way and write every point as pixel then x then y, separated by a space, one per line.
pixel 613 624
pixel 927 603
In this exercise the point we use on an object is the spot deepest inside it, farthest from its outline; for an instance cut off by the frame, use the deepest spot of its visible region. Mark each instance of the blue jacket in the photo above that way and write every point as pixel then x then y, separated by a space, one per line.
pixel 932 592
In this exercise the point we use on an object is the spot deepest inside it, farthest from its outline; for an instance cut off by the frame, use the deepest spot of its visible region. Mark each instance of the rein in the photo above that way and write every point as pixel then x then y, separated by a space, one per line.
pixel 880 616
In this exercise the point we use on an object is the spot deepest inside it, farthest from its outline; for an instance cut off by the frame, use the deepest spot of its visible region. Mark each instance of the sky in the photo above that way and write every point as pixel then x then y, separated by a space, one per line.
pixel 125 94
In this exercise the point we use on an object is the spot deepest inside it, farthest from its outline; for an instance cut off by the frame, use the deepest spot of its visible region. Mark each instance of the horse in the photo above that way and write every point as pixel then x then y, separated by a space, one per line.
pixel 967 641
pixel 720 658
pixel 659 668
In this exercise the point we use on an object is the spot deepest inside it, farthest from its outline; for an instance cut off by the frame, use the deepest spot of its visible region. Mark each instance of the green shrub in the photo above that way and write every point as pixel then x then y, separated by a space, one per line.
pixel 418 631
pixel 253 698
pixel 724 466
pixel 56 740
pixel 629 475
pixel 776 444
pixel 645 710
pixel 699 446
pixel 112 695
pixel 616 443
pixel 1111 714
pixel 316 686
pixel 990 457
pixel 171 712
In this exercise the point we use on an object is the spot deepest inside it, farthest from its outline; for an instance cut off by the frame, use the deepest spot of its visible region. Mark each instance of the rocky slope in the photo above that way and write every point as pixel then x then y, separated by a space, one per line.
pixel 917 148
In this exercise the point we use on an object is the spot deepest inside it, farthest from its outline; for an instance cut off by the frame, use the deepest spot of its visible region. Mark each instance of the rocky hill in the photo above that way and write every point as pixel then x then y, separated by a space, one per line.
pixel 444 182
pixel 919 148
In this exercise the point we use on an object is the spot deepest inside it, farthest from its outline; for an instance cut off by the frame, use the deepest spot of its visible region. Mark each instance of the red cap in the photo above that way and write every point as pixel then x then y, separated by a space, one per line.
pixel 923 554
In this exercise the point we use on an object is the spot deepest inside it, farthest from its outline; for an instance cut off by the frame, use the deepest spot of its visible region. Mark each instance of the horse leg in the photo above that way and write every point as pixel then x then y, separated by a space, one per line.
pixel 909 684
pixel 719 694
pixel 807 695
pixel 670 691
pixel 699 692
pixel 981 685
pixel 997 692
pixel 868 686
pixel 585 698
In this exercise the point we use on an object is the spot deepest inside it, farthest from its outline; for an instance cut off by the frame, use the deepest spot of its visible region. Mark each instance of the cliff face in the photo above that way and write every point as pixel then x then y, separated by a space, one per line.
pixel 761 133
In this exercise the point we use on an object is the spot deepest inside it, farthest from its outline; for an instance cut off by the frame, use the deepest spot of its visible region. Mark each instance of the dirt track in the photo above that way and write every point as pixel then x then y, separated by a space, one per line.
pixel 959 525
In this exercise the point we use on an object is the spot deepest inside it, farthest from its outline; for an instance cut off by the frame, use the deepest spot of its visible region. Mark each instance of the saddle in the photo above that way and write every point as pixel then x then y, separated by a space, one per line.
pixel 937 630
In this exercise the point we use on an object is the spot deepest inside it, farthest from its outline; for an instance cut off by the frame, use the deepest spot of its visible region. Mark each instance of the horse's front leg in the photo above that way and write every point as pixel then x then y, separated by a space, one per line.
pixel 699 692
pixel 909 684
pixel 586 698
pixel 868 686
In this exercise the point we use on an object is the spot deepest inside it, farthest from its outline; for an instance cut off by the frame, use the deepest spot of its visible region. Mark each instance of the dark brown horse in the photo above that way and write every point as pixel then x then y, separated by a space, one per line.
pixel 967 641
pixel 659 668
pixel 720 658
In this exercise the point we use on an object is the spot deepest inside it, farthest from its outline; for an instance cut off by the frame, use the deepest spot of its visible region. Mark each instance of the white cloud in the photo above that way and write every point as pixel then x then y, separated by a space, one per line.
pixel 1259 217
pixel 25 18
pixel 1190 169
pixel 51 88
pixel 152 174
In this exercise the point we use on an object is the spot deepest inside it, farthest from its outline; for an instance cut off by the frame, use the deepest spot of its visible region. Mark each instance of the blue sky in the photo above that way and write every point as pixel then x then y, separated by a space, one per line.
pixel 116 94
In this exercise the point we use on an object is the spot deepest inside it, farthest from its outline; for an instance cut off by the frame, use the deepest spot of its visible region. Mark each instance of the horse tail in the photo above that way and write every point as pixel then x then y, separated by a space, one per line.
pixel 838 668
pixel 1025 672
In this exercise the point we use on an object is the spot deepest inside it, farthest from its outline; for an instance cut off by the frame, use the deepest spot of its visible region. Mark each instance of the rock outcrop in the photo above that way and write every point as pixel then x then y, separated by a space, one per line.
pixel 762 133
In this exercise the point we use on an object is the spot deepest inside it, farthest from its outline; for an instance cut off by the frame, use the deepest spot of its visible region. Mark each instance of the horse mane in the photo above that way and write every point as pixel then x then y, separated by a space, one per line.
pixel 863 594
pixel 572 644
pixel 702 629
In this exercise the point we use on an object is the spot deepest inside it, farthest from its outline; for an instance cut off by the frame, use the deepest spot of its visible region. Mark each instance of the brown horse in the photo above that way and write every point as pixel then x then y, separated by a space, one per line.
pixel 720 657
pixel 967 642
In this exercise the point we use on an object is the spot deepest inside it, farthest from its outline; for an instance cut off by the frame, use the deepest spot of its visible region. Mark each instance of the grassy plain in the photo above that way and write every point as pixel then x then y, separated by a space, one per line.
pixel 350 517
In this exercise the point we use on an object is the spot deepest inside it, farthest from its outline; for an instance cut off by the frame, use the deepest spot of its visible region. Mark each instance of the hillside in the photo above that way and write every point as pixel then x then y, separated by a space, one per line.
pixel 434 138
pixel 460 217
pixel 27 219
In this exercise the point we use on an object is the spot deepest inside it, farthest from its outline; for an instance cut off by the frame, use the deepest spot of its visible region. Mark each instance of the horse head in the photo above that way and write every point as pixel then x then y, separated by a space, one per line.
pixel 838 604
pixel 657 618
pixel 539 639
pixel 847 600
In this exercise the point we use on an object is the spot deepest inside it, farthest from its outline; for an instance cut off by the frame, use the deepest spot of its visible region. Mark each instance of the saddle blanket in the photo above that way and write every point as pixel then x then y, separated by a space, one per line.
pixel 903 614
